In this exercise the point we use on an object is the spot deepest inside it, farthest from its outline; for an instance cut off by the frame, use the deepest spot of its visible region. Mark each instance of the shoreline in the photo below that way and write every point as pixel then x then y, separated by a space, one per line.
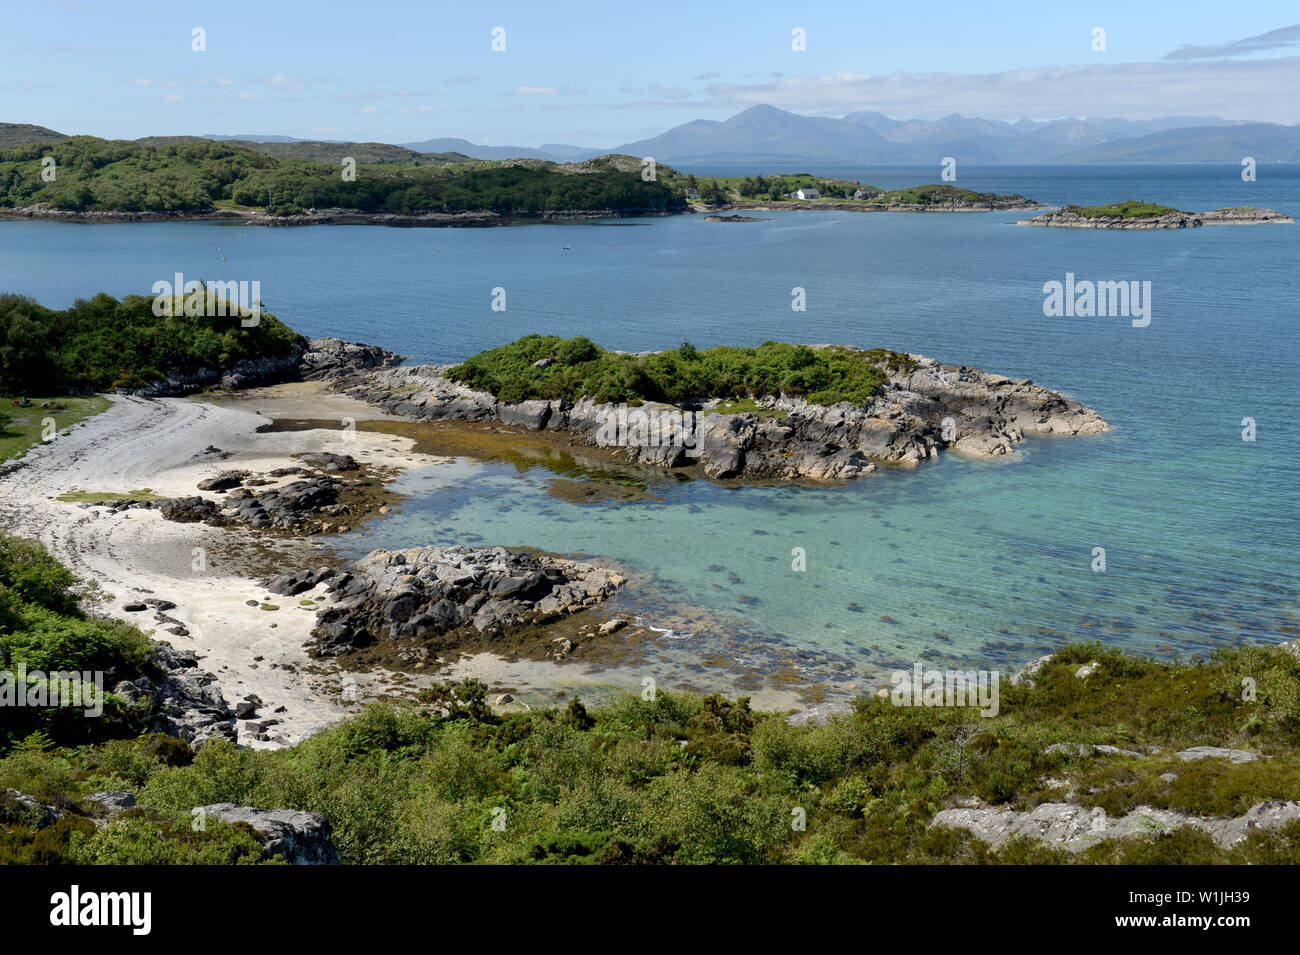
pixel 489 219
pixel 167 445
pixel 163 444
pixel 259 217
pixel 215 573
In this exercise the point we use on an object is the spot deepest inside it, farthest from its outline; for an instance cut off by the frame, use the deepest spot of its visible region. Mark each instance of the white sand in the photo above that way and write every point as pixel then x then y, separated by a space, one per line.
pixel 159 444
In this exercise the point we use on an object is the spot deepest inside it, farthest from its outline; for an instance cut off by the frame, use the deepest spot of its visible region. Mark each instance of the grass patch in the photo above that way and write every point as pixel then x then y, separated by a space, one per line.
pixel 746 406
pixel 22 428
pixel 1129 209
pixel 89 497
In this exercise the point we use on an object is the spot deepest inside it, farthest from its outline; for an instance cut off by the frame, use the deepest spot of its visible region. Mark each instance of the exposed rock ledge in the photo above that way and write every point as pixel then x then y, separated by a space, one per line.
pixel 1075 828
pixel 318 358
pixel 904 425
pixel 435 593
pixel 1065 219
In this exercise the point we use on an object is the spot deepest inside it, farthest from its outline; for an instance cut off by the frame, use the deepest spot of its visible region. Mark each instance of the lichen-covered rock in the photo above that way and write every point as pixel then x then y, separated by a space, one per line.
pixel 1074 828
pixel 1217 752
pixel 300 838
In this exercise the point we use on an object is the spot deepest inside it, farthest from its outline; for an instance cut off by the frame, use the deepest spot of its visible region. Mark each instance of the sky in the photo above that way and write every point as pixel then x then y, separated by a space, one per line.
pixel 601 74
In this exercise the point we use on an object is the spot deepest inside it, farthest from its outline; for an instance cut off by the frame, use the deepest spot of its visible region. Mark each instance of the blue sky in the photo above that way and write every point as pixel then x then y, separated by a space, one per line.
pixel 599 74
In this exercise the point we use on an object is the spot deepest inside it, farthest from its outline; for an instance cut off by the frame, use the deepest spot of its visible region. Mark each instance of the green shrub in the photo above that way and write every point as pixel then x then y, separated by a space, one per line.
pixel 822 375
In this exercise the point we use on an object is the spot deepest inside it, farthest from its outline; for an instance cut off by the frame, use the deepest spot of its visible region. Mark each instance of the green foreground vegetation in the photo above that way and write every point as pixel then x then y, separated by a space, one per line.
pixel 101 343
pixel 1129 209
pixel 677 779
pixel 200 175
pixel 576 367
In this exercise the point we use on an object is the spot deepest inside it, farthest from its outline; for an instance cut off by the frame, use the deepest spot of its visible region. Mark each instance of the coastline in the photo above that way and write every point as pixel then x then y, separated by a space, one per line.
pixel 489 219
pixel 163 444
pixel 171 444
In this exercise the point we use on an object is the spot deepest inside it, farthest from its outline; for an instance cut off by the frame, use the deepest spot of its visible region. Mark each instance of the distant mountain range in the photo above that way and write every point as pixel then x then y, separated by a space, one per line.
pixel 554 152
pixel 765 134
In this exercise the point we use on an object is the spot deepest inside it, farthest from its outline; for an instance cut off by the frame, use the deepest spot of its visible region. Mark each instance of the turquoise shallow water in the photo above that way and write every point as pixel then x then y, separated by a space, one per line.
pixel 982 561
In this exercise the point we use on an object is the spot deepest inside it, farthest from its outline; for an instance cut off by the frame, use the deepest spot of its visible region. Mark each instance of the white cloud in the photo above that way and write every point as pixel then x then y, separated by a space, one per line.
pixel 283 81
pixel 536 91
pixel 1274 39
pixel 140 81
pixel 1245 89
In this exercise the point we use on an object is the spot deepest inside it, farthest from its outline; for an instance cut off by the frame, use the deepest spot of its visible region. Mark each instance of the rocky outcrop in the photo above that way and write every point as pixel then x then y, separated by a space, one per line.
pixel 923 408
pixel 431 593
pixel 188 701
pixel 300 838
pixel 44 210
pixel 107 805
pixel 1074 828
pixel 316 501
pixel 1064 219
pixel 244 374
pixel 332 358
pixel 1217 752
pixel 1243 215
pixel 310 360
pixel 18 807
pixel 1067 219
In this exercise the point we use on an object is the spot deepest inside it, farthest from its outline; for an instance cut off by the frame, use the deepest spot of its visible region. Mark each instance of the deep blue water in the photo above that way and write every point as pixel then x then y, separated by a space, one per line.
pixel 973 559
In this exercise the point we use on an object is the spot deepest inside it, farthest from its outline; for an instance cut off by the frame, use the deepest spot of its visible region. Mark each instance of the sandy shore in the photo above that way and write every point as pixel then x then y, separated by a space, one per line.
pixel 163 445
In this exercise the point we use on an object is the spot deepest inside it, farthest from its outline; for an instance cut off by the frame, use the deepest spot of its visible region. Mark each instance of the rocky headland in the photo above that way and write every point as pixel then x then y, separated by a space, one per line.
pixel 923 408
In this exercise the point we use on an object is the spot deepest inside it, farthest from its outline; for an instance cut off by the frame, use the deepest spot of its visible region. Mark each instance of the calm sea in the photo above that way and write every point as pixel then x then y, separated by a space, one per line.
pixel 978 561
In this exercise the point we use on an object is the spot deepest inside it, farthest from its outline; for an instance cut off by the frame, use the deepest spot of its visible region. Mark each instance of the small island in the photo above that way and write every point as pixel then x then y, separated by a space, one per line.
pixel 1134 214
